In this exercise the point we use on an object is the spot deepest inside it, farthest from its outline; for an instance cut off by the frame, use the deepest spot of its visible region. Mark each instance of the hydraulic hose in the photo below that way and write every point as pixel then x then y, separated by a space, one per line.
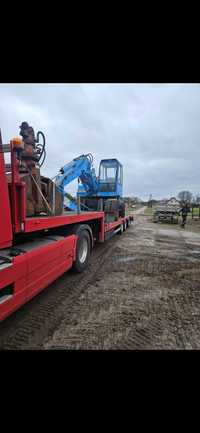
pixel 41 148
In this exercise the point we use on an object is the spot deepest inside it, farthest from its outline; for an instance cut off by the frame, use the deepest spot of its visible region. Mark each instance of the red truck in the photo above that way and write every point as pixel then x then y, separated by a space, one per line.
pixel 36 250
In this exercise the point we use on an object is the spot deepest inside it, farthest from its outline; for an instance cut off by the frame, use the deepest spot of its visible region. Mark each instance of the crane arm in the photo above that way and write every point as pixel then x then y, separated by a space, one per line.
pixel 80 167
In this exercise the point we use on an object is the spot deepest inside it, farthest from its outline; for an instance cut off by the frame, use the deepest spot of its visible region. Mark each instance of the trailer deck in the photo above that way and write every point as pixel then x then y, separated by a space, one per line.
pixel 44 222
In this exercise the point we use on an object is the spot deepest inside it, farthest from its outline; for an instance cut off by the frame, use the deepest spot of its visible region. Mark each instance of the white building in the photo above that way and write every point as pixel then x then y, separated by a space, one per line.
pixel 173 202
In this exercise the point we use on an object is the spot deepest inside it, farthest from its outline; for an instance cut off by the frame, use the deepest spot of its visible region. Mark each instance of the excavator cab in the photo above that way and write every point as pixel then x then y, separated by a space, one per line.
pixel 110 178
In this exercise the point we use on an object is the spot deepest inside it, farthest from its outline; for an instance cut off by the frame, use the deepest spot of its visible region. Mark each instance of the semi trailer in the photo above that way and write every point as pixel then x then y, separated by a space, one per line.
pixel 39 239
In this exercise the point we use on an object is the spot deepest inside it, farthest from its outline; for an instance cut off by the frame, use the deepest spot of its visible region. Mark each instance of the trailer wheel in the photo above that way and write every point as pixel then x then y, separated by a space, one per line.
pixel 83 251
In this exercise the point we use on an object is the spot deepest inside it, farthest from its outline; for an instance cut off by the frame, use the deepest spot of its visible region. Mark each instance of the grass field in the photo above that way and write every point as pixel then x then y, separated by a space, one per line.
pixel 149 211
pixel 195 212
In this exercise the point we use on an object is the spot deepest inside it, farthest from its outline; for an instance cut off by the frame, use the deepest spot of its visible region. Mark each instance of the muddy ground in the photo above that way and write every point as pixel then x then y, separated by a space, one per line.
pixel 141 291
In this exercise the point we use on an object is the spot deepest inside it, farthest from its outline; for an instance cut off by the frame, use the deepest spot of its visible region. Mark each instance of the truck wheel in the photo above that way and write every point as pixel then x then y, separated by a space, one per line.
pixel 83 250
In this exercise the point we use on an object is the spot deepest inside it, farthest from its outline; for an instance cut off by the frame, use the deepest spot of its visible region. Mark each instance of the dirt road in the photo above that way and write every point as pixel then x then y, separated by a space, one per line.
pixel 140 211
pixel 142 291
pixel 146 296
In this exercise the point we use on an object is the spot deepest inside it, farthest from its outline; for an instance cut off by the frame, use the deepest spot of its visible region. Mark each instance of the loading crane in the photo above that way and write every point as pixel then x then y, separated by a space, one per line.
pixel 94 192
pixel 80 168
pixel 39 240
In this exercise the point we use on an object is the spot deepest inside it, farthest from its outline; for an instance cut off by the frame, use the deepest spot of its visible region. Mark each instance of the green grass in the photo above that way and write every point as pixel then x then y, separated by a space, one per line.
pixel 149 211
pixel 195 212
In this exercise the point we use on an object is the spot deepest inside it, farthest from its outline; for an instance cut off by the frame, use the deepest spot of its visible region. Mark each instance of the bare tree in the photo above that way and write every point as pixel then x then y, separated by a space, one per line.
pixel 185 196
pixel 197 199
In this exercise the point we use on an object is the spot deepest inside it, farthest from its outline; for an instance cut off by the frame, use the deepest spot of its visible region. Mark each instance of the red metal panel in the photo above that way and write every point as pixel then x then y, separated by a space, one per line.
pixel 5 215
pixel 17 274
pixel 102 231
pixel 44 267
pixel 35 270
pixel 34 224
pixel 18 206
pixel 113 225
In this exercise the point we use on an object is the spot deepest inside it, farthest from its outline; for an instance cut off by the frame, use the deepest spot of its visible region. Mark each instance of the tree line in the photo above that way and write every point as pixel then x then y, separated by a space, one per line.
pixel 183 196
pixel 187 196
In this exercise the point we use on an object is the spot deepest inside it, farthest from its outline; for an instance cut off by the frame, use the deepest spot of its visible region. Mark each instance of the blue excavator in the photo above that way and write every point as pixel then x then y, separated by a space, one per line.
pixel 102 192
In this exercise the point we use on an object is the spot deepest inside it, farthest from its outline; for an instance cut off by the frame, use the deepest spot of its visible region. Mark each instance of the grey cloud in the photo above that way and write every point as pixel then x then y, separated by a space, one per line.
pixel 153 129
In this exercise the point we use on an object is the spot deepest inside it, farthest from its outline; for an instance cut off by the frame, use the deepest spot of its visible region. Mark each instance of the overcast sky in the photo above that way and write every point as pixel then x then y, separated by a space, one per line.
pixel 153 129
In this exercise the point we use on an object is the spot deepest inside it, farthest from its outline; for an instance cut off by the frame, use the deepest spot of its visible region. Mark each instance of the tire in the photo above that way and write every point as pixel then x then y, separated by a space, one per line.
pixel 83 251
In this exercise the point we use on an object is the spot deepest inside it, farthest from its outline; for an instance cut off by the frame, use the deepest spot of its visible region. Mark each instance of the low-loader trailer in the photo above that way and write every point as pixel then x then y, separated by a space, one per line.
pixel 39 240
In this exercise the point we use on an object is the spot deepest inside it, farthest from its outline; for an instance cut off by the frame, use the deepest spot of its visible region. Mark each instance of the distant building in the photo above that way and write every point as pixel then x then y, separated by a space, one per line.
pixel 169 201
pixel 173 201
pixel 163 201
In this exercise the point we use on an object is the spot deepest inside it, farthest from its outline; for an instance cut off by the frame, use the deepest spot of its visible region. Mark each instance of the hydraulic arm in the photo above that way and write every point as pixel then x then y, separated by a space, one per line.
pixel 80 168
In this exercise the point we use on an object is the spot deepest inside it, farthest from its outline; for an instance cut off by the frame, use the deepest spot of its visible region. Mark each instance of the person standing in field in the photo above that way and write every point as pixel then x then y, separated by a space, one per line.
pixel 184 212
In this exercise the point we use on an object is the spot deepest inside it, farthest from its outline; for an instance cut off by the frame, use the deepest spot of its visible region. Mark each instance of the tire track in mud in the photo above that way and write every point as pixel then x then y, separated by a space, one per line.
pixel 144 297
pixel 141 291
pixel 30 325
pixel 173 321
